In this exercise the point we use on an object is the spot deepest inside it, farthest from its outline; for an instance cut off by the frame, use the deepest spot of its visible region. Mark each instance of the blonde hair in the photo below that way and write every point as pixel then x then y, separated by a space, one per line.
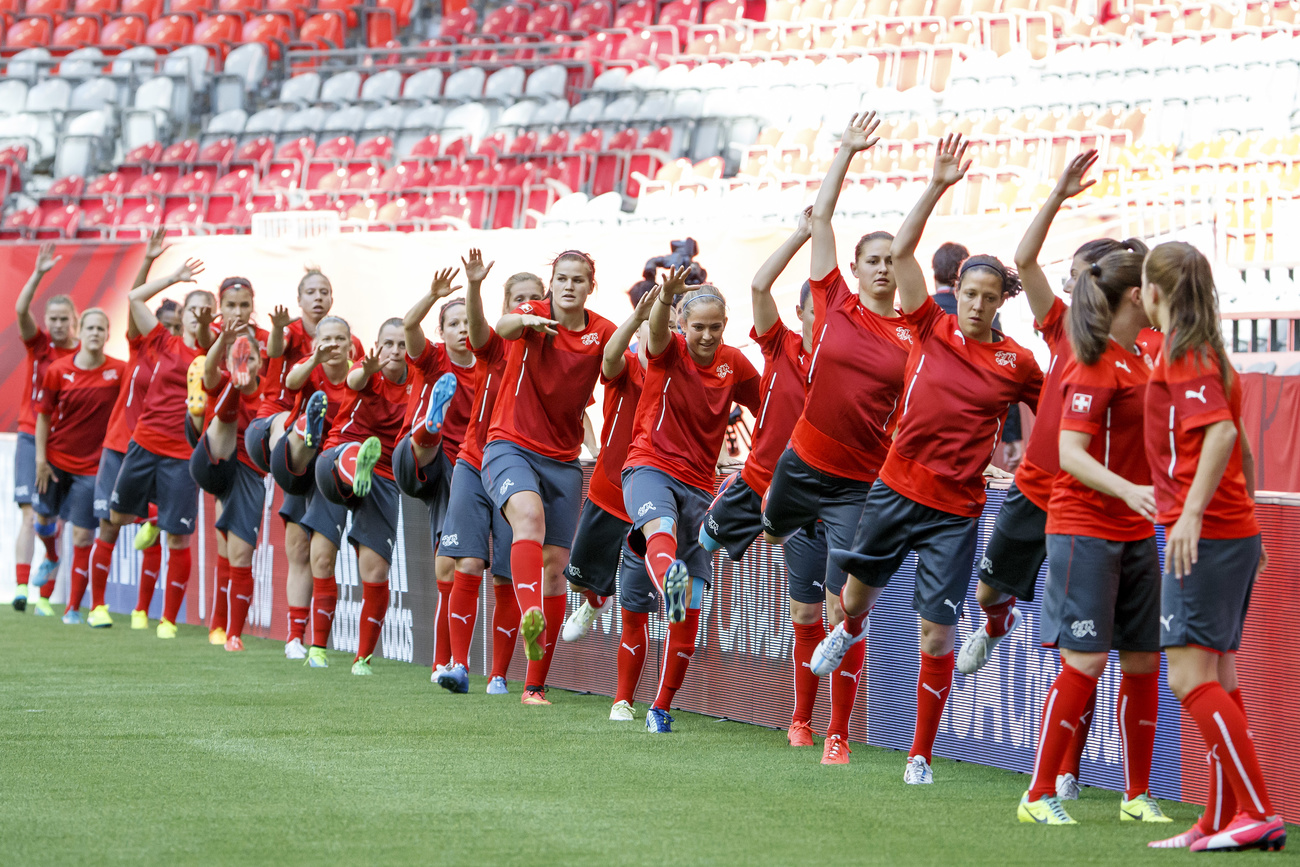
pixel 706 292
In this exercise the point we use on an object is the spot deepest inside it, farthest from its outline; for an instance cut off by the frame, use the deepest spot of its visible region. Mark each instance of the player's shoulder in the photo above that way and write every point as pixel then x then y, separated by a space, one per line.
pixel 1010 355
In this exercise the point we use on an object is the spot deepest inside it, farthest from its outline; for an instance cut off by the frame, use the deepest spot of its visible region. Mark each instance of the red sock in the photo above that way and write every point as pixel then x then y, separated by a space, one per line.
pixel 806 638
pixel 1220 802
pixel 178 578
pixel 660 553
pixel 22 574
pixel 594 600
pixel 999 617
pixel 241 597
pixel 1224 727
pixel 844 689
pixel 526 567
pixel 932 689
pixel 1137 709
pixel 324 597
pixel 80 578
pixel 221 595
pixel 345 467
pixel 632 654
pixel 150 566
pixel 101 560
pixel 853 623
pixel 553 609
pixel 298 617
pixel 374 605
pixel 677 657
pixel 1074 752
pixel 462 607
pixel 423 437
pixel 48 590
pixel 51 544
pixel 442 625
pixel 505 628
pixel 227 408
pixel 1061 711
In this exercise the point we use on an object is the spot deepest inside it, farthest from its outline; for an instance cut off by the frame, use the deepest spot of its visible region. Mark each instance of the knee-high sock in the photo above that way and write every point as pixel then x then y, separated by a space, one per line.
pixel 298 617
pixel 1224 727
pixel 1137 708
pixel 80 578
pixel 932 688
pixel 632 654
pixel 101 561
pixel 442 625
pixel 806 638
pixel 462 613
pixel 22 574
pixel 526 570
pixel 1220 802
pixel 51 544
pixel 660 553
pixel 998 617
pixel 178 578
pixel 150 565
pixel 1074 752
pixel 853 623
pixel 505 628
pixel 1061 711
pixel 48 590
pixel 553 608
pixel 241 597
pixel 677 657
pixel 324 598
pixel 374 605
pixel 844 690
pixel 221 596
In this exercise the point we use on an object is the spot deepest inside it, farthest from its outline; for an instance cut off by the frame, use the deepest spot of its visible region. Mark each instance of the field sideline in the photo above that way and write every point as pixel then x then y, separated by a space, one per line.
pixel 120 748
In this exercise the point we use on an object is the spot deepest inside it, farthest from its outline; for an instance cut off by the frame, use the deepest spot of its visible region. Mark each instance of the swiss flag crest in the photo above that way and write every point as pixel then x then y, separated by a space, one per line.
pixel 1081 403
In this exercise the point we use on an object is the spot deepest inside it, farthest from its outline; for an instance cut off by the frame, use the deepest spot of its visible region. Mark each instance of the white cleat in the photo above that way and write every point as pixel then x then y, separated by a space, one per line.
pixel 580 621
pixel 437 670
pixel 1067 787
pixel 294 649
pixel 830 652
pixel 918 772
pixel 622 711
pixel 978 646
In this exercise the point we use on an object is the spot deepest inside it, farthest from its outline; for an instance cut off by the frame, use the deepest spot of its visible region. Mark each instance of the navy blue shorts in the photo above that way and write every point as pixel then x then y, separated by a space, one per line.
pixel 1208 607
pixel 892 526
pixel 257 442
pixel 215 477
pixel 594 557
pixel 430 484
pixel 109 463
pixel 293 508
pixel 146 478
pixel 25 469
pixel 636 592
pixel 805 566
pixel 71 498
pixel 290 482
pixel 473 527
pixel 650 494
pixel 244 504
pixel 374 516
pixel 735 517
pixel 1018 547
pixel 509 469
pixel 325 518
pixel 1102 595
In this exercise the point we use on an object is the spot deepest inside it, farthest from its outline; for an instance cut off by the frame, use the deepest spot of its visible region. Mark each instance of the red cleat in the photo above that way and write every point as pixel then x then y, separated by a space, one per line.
pixel 836 751
pixel 234 644
pixel 800 734
pixel 534 695
pixel 241 354
pixel 1245 833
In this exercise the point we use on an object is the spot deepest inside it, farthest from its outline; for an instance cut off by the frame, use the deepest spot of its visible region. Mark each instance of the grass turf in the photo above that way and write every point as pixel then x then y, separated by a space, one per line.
pixel 120 748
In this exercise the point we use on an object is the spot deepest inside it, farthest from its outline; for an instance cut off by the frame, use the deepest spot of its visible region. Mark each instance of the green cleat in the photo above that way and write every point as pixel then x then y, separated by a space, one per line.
pixel 1143 808
pixel 146 536
pixel 369 455
pixel 43 607
pixel 362 667
pixel 1047 811
pixel 532 626
pixel 99 618
pixel 316 658
pixel 20 598
pixel 139 619
pixel 166 629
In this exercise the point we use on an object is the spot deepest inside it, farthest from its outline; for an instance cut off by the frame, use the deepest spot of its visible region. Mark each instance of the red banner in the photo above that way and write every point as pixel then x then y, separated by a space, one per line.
pixel 1270 410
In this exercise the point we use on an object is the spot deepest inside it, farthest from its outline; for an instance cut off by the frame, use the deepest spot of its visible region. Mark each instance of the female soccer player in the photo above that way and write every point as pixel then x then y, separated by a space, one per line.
pixel 1103 586
pixel 840 441
pixel 961 377
pixel 474 533
pixel 156 466
pixel 530 465
pixel 1204 478
pixel 44 347
pixel 691 381
pixel 75 401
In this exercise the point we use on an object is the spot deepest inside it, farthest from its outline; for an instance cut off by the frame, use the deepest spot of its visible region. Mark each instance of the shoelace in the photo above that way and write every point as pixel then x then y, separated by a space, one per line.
pixel 837 746
pixel 1151 805
pixel 1058 812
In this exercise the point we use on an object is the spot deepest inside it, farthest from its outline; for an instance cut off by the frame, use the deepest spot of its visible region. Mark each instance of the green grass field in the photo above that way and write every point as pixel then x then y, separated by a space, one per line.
pixel 119 748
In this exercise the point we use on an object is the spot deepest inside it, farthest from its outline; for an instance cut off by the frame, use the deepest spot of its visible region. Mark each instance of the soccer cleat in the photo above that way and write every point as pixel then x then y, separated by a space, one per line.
pixel 43 607
pixel 234 644
pixel 622 711
pixel 146 536
pixel 167 629
pixel 1245 833
pixel 294 649
pixel 677 589
pixel 443 391
pixel 44 572
pixel 1143 808
pixel 241 354
pixel 1179 841
pixel 1047 811
pixel 658 721
pixel 917 772
pixel 497 686
pixel 534 695
pixel 979 645
pixel 532 626
pixel 830 651
pixel 361 667
pixel 196 399
pixel 72 618
pixel 454 678
pixel 317 405
pixel 217 636
pixel 437 673
pixel 800 734
pixel 579 622
pixel 20 598
pixel 99 618
pixel 367 456
pixel 835 751
pixel 139 619
pixel 1067 787
pixel 316 658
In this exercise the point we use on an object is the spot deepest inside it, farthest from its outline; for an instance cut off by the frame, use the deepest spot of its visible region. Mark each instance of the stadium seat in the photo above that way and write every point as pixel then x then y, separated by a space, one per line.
pixel 323 32
pixel 171 31
pixel 381 88
pixel 124 32
pixel 28 33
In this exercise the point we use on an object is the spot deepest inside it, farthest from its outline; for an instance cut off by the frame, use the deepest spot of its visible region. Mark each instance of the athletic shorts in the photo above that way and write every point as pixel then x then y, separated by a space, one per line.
pixel 215 477
pixel 257 442
pixel 325 518
pixel 474 527
pixel 799 496
pixel 241 510
pixel 735 517
pixel 146 478
pixel 509 469
pixel 636 592
pixel 805 566
pixel 893 525
pixel 71 498
pixel 650 494
pixel 1102 595
pixel 300 484
pixel 293 508
pixel 1018 547
pixel 1208 607
pixel 430 484
pixel 109 463
pixel 25 469
pixel 594 557
pixel 374 516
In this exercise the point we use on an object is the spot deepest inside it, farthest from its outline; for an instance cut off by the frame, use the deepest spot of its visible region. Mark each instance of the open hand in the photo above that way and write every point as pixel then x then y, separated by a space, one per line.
pixel 1071 182
pixel 441 286
pixel 280 317
pixel 859 134
pixel 188 271
pixel 539 323
pixel 45 258
pixel 157 244
pixel 949 167
pixel 475 270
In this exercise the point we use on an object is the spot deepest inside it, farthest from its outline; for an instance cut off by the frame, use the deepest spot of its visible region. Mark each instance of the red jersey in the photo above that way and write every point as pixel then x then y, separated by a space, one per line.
pixel 79 404
pixel 783 388
pixel 41 353
pixel 1149 341
pixel 1183 398
pixel 1105 400
pixel 956 394
pixel 684 408
pixel 161 426
pixel 489 368
pixel 135 382
pixel 376 410
pixel 1042 460
pixel 336 395
pixel 622 394
pixel 854 381
pixel 433 363
pixel 249 404
pixel 277 397
pixel 549 381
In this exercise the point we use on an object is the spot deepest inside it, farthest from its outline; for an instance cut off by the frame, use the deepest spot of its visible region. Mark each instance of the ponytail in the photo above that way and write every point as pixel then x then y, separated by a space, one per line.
pixel 1184 277
pixel 1097 293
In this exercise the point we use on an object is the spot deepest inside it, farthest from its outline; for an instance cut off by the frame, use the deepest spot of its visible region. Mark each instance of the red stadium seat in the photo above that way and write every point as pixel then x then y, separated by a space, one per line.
pixel 99 9
pixel 647 159
pixel 555 143
pixel 183 218
pixel 137 223
pixel 216 155
pixel 645 45
pixel 61 224
pixel 54 10
pixel 97 216
pixel 324 31
pixel 181 152
pixel 9 11
pixel 76 32
pixel 505 19
pixel 596 48
pixel 551 16
pixel 634 15
pixel 194 8
pixel 377 149
pixel 382 24
pixel 271 30
pixel 297 10
pixel 245 9
pixel 237 185
pixel 66 189
pixel 28 33
pixel 340 148
pixel 144 155
pixel 123 32
pixel 218 32
pixel 111 184
pixel 256 153
pixel 20 224
pixel 523 147
pixel 591 17
pixel 611 163
pixel 197 183
pixel 680 15
pixel 151 10
pixel 148 189
pixel 174 30
pixel 456 24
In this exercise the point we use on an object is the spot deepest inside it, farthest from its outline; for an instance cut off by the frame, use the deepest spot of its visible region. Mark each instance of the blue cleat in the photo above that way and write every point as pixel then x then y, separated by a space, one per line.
pixel 317 405
pixel 443 391
pixel 72 618
pixel 44 573
pixel 677 588
pixel 497 686
pixel 658 721
pixel 454 678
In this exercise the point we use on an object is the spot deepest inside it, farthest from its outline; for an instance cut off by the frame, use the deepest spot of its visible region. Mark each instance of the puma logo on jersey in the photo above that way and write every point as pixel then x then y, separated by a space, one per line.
pixel 69 376
pixel 505 486
pixel 590 339
pixel 463 618
pixel 850 675
pixel 647 507
pixel 374 621
pixel 1166 622
pixel 723 371
pixel 1081 402
pixel 1083 628
pixel 938 693
pixel 110 375
pixel 189 522
pixel 1199 394
pixel 328 615
pixel 685 656
pixel 1123 365
pixel 904 333
pixel 632 649
pixel 450 539
pixel 1006 359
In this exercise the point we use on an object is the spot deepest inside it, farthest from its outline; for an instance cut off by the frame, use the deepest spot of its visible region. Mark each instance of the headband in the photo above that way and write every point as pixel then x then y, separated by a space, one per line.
pixel 235 283
pixel 590 262
pixel 701 297
pixel 994 266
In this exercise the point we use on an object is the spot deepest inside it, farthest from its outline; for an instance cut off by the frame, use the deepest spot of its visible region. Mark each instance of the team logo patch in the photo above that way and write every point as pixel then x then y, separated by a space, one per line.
pixel 1006 359
pixel 986 565
pixel 1081 403
pixel 723 371
pixel 1083 628
pixel 451 539
pixel 647 507
pixel 590 339
pixel 525 308
pixel 505 486
pixel 904 333
pixel 110 375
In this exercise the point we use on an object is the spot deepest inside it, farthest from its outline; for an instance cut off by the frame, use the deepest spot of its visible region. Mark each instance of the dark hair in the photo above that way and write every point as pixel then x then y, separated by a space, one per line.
pixel 168 306
pixel 1098 291
pixel 947 260
pixel 638 290
pixel 234 283
pixel 805 293
pixel 442 311
pixel 312 271
pixel 204 292
pixel 867 239
pixel 1094 250
pixel 1183 274
pixel 1010 279
pixel 574 256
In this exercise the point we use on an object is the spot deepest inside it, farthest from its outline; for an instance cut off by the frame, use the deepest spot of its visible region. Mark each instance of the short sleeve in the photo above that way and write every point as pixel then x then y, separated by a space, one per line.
pixel 432 362
pixel 772 341
pixel 1032 388
pixel 1087 395
pixel 829 290
pixel 1197 391
pixel 747 391
pixel 672 353
pixel 48 396
pixel 493 350
pixel 924 318
pixel 39 343
pixel 1053 324
pixel 630 362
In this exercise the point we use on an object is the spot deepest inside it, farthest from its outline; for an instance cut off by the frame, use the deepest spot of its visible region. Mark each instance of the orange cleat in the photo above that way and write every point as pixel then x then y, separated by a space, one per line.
pixel 836 751
pixel 534 695
pixel 800 734
pixel 234 644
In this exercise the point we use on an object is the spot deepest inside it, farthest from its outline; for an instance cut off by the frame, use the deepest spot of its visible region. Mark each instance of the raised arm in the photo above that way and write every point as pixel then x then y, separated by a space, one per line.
pixel 475 273
pixel 513 325
pixel 766 313
pixel 857 137
pixel 298 375
pixel 359 376
pixel 1032 279
pixel 217 354
pixel 662 311
pixel 280 320
pixel 45 260
pixel 141 316
pixel 948 170
pixel 440 288
pixel 611 364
